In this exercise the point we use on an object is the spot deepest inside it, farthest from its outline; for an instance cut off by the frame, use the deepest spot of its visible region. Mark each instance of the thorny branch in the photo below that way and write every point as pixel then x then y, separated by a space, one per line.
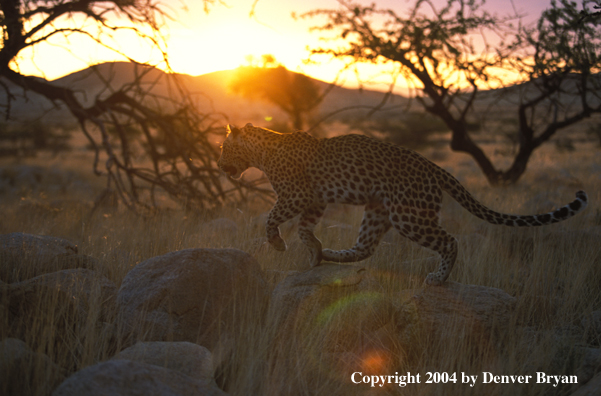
pixel 434 49
pixel 147 141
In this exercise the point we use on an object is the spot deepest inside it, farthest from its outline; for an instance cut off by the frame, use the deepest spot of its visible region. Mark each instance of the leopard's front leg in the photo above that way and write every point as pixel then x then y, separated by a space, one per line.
pixel 283 210
pixel 272 229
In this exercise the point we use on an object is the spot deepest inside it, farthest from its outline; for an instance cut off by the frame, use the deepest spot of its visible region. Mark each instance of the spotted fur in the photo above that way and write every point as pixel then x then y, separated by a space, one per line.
pixel 398 187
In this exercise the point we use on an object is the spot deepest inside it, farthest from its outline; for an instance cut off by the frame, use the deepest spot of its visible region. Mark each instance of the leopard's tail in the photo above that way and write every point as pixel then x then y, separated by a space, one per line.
pixel 465 199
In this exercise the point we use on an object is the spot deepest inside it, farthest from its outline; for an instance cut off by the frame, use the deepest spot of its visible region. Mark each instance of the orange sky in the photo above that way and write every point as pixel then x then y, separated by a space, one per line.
pixel 199 43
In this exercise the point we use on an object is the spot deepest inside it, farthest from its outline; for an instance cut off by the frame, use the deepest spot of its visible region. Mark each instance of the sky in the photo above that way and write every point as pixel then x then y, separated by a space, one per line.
pixel 200 43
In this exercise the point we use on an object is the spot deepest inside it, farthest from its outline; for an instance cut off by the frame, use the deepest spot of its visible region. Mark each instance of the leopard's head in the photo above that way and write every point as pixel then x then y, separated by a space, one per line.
pixel 234 157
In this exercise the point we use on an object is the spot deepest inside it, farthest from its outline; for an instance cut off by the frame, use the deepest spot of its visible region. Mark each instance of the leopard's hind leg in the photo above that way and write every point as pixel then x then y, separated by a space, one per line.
pixel 428 233
pixel 308 220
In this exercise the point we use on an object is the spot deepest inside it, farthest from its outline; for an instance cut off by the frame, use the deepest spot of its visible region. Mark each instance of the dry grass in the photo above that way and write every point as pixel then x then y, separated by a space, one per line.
pixel 555 272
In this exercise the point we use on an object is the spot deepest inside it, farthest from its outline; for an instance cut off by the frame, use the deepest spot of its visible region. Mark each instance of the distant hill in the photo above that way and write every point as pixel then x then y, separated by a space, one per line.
pixel 210 91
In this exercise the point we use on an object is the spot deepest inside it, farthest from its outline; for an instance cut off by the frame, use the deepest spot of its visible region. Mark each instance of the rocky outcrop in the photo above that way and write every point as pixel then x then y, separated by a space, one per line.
pixel 332 314
pixel 326 322
pixel 196 295
pixel 590 365
pixel 338 314
pixel 81 289
pixel 25 372
pixel 472 312
pixel 591 388
pixel 24 256
pixel 58 310
pixel 130 378
pixel 193 360
pixel 592 325
pixel 302 296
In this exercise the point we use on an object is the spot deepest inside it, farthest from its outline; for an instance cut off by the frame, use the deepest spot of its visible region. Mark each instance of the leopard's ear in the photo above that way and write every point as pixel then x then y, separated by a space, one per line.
pixel 233 131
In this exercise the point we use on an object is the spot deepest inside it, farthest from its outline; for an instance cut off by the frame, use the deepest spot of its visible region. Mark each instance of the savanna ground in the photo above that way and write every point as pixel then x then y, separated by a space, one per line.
pixel 554 271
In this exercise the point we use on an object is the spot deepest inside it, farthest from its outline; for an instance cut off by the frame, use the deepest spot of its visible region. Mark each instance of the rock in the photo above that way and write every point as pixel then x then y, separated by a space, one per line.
pixel 557 351
pixel 57 311
pixel 472 312
pixel 330 314
pixel 196 295
pixel 592 325
pixel 24 256
pixel 590 364
pixel 81 288
pixel 130 378
pixel 276 276
pixel 591 388
pixel 25 372
pixel 193 360
pixel 302 296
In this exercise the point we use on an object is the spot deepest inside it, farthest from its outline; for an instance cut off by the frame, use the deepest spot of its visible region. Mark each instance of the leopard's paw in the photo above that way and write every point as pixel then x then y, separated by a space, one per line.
pixel 433 280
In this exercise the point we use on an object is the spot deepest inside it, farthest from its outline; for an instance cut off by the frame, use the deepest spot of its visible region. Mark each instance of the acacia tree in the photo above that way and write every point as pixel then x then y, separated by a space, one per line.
pixel 132 122
pixel 294 93
pixel 435 50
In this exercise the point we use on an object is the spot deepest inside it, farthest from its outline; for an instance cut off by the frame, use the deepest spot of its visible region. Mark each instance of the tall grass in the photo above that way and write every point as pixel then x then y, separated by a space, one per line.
pixel 554 272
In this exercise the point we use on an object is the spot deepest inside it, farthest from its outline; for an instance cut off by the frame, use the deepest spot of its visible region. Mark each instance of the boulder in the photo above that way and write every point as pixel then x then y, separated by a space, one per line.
pixel 80 288
pixel 590 364
pixel 196 295
pixel 57 311
pixel 25 372
pixel 592 325
pixel 193 360
pixel 24 256
pixel 131 378
pixel 333 316
pixel 302 296
pixel 453 311
pixel 591 388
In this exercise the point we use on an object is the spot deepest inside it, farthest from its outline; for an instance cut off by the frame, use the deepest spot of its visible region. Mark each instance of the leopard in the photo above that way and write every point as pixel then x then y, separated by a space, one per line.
pixel 398 187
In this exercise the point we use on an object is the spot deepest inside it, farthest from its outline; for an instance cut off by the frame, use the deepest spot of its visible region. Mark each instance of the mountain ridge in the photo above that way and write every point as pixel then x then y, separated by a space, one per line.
pixel 211 92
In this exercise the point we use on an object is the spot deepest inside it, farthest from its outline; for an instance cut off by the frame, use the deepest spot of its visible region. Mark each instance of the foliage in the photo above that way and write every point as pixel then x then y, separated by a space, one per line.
pixel 25 139
pixel 294 93
pixel 446 55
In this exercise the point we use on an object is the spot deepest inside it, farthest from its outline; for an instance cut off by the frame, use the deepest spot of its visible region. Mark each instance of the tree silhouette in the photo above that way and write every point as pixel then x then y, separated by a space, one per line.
pixel 146 141
pixel 294 93
pixel 435 51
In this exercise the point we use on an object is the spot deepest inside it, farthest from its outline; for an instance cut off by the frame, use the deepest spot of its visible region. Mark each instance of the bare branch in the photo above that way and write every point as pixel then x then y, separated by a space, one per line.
pixel 432 45
pixel 149 130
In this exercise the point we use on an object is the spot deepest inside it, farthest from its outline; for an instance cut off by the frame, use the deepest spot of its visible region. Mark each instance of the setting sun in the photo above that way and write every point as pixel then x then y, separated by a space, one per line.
pixel 199 43
pixel 228 46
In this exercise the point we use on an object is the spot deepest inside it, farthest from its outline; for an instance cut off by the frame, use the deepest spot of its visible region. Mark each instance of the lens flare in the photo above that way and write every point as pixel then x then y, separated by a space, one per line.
pixel 376 362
